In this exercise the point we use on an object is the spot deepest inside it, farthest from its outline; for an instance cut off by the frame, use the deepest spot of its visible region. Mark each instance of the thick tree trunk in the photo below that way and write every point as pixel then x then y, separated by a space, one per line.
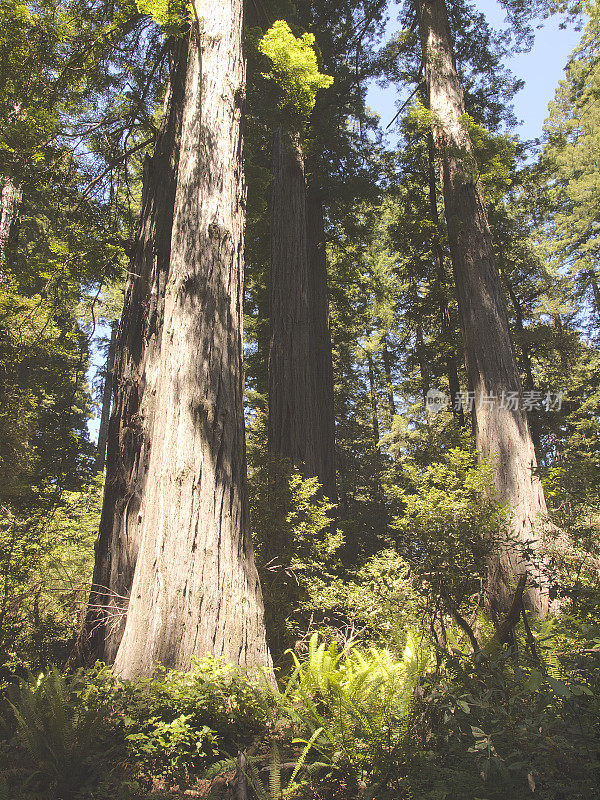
pixel 292 413
pixel 502 433
pixel 445 319
pixel 10 201
pixel 322 365
pixel 107 391
pixel 136 372
pixel 195 588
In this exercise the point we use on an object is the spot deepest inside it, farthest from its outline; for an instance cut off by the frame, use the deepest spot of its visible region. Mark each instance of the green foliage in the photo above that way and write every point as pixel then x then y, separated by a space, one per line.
pixel 58 738
pixel 179 722
pixel 511 727
pixel 449 520
pixel 167 13
pixel 354 709
pixel 295 68
pixel 294 538
pixel 81 735
pixel 46 561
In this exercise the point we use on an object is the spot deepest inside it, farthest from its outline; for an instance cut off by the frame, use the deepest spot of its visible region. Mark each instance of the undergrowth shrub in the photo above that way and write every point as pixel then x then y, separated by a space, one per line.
pixel 82 735
pixel 59 739
pixel 513 725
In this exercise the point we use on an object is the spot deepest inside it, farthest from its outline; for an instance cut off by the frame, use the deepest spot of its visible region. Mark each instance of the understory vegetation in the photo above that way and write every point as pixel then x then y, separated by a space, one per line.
pixel 299 407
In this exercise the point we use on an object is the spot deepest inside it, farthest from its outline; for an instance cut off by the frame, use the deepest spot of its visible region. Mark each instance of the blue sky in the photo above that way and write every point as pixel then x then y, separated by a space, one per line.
pixel 541 69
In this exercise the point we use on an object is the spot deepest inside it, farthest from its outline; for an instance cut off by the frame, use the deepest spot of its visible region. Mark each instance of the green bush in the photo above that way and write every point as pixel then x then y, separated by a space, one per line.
pixel 59 738
pixel 511 725
pixel 178 723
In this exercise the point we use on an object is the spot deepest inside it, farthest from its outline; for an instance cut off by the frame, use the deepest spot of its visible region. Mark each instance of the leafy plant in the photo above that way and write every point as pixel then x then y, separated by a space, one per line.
pixel 295 67
pixel 62 744
pixel 355 707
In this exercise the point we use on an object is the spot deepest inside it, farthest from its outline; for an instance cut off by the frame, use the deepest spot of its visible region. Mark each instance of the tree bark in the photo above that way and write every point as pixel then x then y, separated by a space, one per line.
pixel 10 201
pixel 136 371
pixel 292 411
pixel 387 365
pixel 107 390
pixel 502 433
pixel 322 364
pixel 445 320
pixel 195 588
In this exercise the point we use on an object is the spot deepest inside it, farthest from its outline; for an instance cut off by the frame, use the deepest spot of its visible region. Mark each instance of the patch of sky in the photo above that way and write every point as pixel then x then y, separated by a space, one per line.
pixel 541 69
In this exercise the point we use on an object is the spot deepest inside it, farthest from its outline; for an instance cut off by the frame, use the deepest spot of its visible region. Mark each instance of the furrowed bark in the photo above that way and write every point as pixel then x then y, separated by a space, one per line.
pixel 321 343
pixel 136 372
pixel 502 433
pixel 10 202
pixel 301 411
pixel 292 412
pixel 195 589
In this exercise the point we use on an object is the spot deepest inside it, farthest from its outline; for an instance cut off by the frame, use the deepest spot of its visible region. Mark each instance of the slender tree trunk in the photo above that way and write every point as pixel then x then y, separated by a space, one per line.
pixel 502 433
pixel 387 364
pixel 107 391
pixel 136 370
pixel 322 365
pixel 10 201
pixel 195 589
pixel 423 369
pixel 374 404
pixel 445 319
pixel 292 413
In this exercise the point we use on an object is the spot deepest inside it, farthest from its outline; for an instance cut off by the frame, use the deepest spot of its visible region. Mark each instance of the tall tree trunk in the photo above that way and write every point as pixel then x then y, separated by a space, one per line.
pixel 107 391
pixel 292 413
pixel 373 398
pixel 387 365
pixel 445 319
pixel 502 433
pixel 322 365
pixel 136 370
pixel 195 589
pixel 421 358
pixel 529 382
pixel 10 201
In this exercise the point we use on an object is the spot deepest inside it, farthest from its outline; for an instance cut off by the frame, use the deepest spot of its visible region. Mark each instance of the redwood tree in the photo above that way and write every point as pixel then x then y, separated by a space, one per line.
pixel 187 566
pixel 501 430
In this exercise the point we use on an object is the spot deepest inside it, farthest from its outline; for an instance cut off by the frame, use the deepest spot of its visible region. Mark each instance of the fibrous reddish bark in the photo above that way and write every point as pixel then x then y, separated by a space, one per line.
pixel 502 432
pixel 10 201
pixel 135 382
pixel 301 416
pixel 195 588
pixel 174 547
pixel 322 365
